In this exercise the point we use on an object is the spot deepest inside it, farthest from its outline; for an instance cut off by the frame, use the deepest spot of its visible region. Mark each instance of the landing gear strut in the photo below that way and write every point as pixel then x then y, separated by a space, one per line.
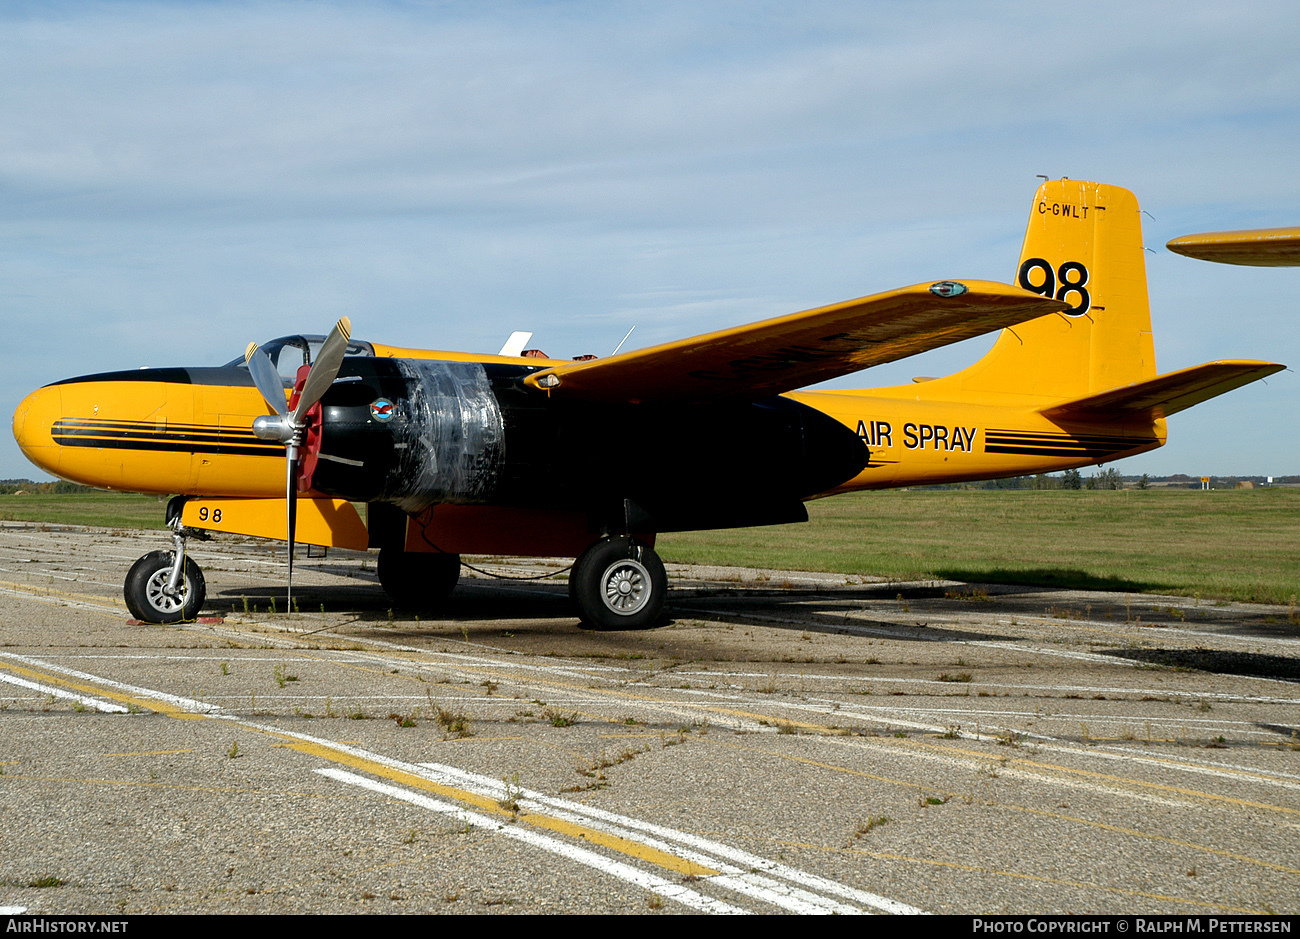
pixel 167 586
pixel 618 583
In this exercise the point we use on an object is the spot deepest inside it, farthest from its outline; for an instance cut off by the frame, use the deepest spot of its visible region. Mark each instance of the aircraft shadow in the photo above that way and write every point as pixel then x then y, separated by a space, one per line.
pixel 1244 664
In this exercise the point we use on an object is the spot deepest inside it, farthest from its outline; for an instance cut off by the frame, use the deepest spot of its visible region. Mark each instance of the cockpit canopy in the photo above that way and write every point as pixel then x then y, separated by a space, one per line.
pixel 289 353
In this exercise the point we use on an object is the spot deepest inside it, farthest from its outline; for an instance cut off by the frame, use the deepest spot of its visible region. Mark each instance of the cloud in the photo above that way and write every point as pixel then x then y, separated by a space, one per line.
pixel 176 179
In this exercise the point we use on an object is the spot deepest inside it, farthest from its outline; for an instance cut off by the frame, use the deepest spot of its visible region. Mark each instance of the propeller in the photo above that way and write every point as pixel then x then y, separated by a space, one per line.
pixel 297 425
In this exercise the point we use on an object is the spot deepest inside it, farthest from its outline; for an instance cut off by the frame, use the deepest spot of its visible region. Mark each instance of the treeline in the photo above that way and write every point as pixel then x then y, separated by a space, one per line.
pixel 9 487
pixel 1112 479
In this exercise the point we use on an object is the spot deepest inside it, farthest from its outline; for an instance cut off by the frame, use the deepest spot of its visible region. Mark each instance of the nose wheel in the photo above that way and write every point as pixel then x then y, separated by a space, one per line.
pixel 167 586
pixel 151 599
pixel 619 583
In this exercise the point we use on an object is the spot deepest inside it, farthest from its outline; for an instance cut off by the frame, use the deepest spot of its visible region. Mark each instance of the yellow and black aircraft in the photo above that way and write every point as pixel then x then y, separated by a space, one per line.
pixel 429 455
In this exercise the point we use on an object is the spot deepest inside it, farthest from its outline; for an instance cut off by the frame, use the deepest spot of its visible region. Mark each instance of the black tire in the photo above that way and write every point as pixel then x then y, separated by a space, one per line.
pixel 144 594
pixel 619 583
pixel 417 581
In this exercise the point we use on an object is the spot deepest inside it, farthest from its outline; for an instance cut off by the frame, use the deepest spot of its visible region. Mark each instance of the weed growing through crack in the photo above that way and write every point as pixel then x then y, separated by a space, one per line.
pixel 233 752
pixel 510 798
pixel 456 724
pixel 1010 738
pixel 559 718
pixel 873 822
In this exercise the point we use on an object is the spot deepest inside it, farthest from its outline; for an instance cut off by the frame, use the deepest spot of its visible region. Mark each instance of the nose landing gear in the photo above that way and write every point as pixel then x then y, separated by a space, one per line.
pixel 167 586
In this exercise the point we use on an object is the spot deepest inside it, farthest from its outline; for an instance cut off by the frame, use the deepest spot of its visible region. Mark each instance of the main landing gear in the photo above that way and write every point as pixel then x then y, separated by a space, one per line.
pixel 415 580
pixel 167 586
pixel 618 583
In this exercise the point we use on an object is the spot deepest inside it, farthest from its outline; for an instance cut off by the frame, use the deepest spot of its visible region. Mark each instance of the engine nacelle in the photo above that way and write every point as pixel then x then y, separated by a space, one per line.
pixel 413 432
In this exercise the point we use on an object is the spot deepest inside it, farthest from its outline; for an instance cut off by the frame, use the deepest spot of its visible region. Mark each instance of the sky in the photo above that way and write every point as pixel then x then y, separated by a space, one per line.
pixel 179 178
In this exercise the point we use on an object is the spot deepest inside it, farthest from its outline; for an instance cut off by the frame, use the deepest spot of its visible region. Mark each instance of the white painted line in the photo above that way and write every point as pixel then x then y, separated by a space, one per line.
pixel 635 829
pixel 58 600
pixel 89 702
pixel 189 704
pixel 665 888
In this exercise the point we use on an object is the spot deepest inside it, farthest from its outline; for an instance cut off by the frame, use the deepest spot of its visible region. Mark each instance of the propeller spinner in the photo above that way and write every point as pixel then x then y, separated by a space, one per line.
pixel 298 426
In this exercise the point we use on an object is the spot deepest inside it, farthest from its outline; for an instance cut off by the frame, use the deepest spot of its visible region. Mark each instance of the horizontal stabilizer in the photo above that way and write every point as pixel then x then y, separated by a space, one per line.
pixel 778 355
pixel 1167 394
pixel 1259 247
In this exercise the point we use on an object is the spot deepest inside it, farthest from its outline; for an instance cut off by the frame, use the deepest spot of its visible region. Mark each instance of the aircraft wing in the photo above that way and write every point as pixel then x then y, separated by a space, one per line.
pixel 1167 394
pixel 1260 247
pixel 778 355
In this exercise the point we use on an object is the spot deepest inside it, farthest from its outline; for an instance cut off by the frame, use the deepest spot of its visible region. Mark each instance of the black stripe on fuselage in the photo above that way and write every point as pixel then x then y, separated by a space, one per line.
pixel 1037 443
pixel 234 377
pixel 125 435
pixel 168 446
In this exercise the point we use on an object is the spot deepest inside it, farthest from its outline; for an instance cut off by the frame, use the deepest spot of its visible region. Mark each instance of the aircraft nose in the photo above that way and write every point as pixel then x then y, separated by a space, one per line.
pixel 32 422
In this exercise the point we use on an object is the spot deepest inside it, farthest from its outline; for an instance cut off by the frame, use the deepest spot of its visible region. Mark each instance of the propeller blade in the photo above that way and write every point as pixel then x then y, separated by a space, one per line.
pixel 266 378
pixel 325 369
pixel 291 508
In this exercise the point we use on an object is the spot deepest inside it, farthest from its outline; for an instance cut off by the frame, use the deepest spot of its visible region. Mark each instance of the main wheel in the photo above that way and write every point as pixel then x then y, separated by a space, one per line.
pixel 146 593
pixel 417 581
pixel 619 583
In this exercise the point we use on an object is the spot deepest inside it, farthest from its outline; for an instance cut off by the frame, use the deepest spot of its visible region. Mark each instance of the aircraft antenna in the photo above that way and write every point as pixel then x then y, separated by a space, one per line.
pixel 620 345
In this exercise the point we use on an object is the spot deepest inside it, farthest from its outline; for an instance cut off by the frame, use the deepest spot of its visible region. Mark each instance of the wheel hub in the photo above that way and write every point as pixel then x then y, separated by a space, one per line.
pixel 159 597
pixel 625 586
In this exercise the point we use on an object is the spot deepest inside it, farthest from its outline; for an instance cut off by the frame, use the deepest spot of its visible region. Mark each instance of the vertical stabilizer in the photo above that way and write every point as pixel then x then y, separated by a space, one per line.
pixel 1083 246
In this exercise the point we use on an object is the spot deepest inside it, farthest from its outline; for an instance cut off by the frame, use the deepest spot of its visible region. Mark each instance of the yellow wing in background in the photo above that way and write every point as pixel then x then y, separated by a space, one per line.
pixel 789 352
pixel 1166 394
pixel 1259 247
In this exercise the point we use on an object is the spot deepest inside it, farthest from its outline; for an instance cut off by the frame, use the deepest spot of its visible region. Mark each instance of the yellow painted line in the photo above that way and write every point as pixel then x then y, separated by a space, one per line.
pixel 492 807
pixel 322 751
pixel 834 768
pixel 63 681
pixel 80 780
pixel 40 591
pixel 778 721
pixel 1044 880
pixel 1133 832
pixel 1092 774
pixel 151 752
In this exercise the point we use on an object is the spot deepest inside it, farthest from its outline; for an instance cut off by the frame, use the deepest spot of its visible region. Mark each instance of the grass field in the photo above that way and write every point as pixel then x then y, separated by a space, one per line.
pixel 1229 544
pixel 1221 544
pixel 104 509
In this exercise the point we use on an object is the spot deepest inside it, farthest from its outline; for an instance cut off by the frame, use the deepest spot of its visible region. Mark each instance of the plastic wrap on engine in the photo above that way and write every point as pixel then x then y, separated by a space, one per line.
pixel 452 445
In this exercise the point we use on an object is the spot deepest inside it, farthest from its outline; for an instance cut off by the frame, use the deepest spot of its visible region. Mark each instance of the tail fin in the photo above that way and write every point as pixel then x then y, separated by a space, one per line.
pixel 1083 246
